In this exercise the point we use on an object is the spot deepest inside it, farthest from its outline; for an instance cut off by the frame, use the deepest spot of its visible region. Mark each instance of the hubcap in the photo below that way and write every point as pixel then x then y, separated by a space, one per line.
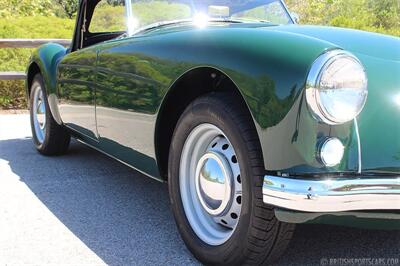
pixel 39 113
pixel 210 184
pixel 214 182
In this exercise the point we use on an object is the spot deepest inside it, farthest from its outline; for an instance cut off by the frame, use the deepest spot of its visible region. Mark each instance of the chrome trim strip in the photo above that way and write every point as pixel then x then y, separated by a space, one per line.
pixel 344 194
pixel 358 145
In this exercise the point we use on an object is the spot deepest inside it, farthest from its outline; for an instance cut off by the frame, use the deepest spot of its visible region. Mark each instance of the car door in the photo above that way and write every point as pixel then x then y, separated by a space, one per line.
pixel 126 102
pixel 76 89
pixel 76 78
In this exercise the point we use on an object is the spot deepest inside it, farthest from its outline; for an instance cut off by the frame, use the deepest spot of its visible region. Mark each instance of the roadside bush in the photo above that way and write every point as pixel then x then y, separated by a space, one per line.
pixel 12 93
pixel 25 8
pixel 382 16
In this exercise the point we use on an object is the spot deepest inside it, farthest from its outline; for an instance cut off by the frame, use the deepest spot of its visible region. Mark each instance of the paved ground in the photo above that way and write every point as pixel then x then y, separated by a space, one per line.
pixel 86 209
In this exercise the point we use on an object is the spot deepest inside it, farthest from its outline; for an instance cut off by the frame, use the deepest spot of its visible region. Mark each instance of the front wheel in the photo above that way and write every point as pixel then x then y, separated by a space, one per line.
pixel 215 184
pixel 49 137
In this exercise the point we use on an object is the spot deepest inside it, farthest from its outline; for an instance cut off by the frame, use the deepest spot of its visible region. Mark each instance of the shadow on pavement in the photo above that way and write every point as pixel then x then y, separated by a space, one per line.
pixel 121 215
pixel 124 217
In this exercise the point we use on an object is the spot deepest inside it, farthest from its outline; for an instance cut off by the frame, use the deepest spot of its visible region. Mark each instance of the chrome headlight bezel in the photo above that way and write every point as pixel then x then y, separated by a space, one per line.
pixel 317 70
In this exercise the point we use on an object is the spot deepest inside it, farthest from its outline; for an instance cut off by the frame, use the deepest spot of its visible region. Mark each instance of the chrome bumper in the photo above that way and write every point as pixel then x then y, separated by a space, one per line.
pixel 344 194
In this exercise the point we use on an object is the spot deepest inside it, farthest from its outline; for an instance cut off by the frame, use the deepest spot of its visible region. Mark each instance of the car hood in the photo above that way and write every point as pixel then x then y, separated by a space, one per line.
pixel 356 41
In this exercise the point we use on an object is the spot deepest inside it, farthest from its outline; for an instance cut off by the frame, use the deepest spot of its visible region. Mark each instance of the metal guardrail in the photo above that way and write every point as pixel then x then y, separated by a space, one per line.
pixel 25 43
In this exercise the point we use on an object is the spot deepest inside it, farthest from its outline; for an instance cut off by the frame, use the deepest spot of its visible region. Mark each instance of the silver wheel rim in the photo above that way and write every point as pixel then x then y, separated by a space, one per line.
pixel 210 184
pixel 39 113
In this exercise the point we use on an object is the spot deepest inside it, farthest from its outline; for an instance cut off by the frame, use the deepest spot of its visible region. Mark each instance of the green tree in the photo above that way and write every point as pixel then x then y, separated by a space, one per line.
pixel 25 8
pixel 386 13
pixel 371 15
pixel 70 7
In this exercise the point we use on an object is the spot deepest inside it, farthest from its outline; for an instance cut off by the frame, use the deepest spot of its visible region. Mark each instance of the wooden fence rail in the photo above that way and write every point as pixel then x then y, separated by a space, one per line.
pixel 25 43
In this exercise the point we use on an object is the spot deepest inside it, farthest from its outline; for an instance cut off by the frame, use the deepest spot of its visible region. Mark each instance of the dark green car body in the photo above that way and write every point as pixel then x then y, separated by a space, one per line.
pixel 124 96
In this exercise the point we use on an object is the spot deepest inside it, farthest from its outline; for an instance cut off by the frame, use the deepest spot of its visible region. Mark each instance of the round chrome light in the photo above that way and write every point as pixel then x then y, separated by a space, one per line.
pixel 331 152
pixel 337 87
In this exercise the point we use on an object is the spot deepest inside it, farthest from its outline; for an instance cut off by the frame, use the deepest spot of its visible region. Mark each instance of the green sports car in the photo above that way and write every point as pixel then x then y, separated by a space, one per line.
pixel 255 122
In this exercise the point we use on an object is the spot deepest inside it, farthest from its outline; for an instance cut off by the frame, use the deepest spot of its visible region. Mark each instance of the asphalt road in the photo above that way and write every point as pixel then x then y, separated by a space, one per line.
pixel 87 209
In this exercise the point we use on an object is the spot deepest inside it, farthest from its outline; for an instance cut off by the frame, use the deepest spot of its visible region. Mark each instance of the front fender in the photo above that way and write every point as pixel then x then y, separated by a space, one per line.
pixel 46 58
pixel 270 69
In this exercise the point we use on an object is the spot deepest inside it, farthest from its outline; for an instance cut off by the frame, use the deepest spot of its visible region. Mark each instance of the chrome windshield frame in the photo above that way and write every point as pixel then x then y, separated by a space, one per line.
pixel 285 7
pixel 129 18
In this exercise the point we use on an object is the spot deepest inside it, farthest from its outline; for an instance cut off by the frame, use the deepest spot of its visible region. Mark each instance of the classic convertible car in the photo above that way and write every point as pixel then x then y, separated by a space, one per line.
pixel 255 122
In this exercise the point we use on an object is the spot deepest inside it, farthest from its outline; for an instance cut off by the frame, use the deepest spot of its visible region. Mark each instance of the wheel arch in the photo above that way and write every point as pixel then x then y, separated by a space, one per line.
pixel 44 61
pixel 33 70
pixel 200 80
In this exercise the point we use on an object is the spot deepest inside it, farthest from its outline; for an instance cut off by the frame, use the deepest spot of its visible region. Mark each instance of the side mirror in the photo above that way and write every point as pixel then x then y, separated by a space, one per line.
pixel 295 17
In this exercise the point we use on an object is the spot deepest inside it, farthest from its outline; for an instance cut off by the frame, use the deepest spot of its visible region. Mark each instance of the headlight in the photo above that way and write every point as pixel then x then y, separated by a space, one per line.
pixel 337 87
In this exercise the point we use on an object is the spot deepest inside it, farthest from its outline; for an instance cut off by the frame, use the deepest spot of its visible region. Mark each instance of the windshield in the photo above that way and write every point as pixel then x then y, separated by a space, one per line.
pixel 145 13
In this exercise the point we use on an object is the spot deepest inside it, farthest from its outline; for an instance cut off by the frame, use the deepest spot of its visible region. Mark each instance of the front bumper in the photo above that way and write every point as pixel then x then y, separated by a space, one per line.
pixel 333 195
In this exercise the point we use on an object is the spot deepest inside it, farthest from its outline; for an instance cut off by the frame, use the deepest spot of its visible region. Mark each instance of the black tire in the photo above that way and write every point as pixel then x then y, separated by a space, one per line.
pixel 56 138
pixel 259 237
